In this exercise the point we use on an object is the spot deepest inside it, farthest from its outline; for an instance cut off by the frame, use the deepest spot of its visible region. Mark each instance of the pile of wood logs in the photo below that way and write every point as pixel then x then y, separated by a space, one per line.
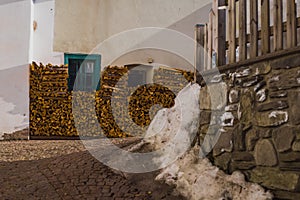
pixel 113 111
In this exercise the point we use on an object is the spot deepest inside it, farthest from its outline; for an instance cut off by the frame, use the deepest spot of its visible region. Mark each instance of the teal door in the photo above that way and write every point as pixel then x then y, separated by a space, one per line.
pixel 84 72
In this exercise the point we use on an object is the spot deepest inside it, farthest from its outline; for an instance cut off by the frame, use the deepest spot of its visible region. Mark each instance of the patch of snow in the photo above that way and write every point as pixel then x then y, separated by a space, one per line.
pixel 174 129
pixel 194 177
pixel 197 178
pixel 10 122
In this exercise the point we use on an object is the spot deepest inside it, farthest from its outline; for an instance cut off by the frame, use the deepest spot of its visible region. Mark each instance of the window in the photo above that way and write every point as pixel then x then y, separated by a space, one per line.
pixel 84 72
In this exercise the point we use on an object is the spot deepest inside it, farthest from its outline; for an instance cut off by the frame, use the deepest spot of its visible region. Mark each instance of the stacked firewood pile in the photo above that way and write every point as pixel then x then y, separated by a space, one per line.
pixel 173 79
pixel 114 111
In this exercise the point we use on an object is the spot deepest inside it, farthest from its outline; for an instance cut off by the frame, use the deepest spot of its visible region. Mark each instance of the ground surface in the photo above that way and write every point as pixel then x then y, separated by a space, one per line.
pixel 65 170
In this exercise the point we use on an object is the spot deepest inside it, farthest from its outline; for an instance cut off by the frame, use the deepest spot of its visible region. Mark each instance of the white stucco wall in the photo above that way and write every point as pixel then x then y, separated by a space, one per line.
pixel 80 26
pixel 15 26
pixel 42 43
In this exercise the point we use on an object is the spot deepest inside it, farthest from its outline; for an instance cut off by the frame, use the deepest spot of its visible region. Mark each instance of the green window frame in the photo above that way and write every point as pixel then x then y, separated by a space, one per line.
pixel 83 71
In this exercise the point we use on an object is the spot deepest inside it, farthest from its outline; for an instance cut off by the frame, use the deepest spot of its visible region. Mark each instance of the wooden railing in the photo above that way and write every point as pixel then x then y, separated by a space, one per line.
pixel 246 29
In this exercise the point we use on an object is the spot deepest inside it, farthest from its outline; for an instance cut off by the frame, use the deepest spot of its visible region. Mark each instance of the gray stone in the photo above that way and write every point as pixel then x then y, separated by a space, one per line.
pixel 234 96
pixel 246 107
pixel 286 63
pixel 248 82
pixel 242 165
pixel 213 97
pixel 275 105
pixel 280 94
pixel 271 119
pixel 296 146
pixel 224 144
pixel 205 117
pixel 273 178
pixel 262 95
pixel 289 157
pixel 251 139
pixel 258 69
pixel 294 99
pixel 239 138
pixel 284 80
pixel 223 161
pixel 233 107
pixel 242 156
pixel 265 153
pixel 260 86
pixel 283 138
pixel 242 72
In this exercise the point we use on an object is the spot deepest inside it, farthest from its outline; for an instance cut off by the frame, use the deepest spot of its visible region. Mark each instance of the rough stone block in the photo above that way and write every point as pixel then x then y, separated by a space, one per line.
pixel 271 119
pixel 275 105
pixel 234 96
pixel 242 156
pixel 239 138
pixel 296 146
pixel 286 63
pixel 265 153
pixel 224 144
pixel 242 165
pixel 251 138
pixel 284 80
pixel 262 95
pixel 205 117
pixel 289 157
pixel 279 94
pixel 283 138
pixel 213 97
pixel 294 105
pixel 261 69
pixel 248 82
pixel 273 178
pixel 223 161
pixel 246 107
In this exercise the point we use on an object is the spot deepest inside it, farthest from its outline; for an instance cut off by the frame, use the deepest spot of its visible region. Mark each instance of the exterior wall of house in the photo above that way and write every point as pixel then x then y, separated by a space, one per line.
pixel 42 42
pixel 15 26
pixel 81 26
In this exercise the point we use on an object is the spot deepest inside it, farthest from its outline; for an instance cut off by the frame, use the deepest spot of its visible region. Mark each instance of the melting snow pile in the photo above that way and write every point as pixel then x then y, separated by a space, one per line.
pixel 193 177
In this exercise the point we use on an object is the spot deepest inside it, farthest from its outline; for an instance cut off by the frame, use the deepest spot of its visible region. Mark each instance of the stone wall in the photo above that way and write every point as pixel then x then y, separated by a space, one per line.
pixel 254 112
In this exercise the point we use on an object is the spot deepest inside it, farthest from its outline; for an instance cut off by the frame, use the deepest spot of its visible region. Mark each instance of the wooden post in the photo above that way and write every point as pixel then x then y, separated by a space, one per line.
pixel 253 28
pixel 278 26
pixel 232 30
pixel 210 39
pixel 291 24
pixel 205 47
pixel 221 37
pixel 200 33
pixel 242 30
pixel 265 26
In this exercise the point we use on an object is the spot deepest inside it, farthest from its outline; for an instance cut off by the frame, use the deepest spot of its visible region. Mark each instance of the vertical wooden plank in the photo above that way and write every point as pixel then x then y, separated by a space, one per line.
pixel 278 25
pixel 253 28
pixel 242 30
pixel 232 30
pixel 205 46
pixel 221 37
pixel 291 24
pixel 265 26
pixel 215 32
pixel 199 47
pixel 210 40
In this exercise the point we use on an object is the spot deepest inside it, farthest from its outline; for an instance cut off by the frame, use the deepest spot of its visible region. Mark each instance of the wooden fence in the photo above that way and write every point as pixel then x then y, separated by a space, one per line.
pixel 246 29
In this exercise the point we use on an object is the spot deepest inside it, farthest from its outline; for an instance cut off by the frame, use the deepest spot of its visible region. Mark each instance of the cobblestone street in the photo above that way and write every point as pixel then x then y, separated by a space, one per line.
pixel 64 170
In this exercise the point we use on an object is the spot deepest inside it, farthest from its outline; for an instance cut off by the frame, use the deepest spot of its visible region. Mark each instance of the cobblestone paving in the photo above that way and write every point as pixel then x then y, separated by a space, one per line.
pixel 63 170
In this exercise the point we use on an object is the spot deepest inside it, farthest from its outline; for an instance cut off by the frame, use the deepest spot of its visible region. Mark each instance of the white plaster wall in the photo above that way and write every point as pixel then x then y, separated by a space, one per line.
pixel 15 26
pixel 82 25
pixel 42 44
